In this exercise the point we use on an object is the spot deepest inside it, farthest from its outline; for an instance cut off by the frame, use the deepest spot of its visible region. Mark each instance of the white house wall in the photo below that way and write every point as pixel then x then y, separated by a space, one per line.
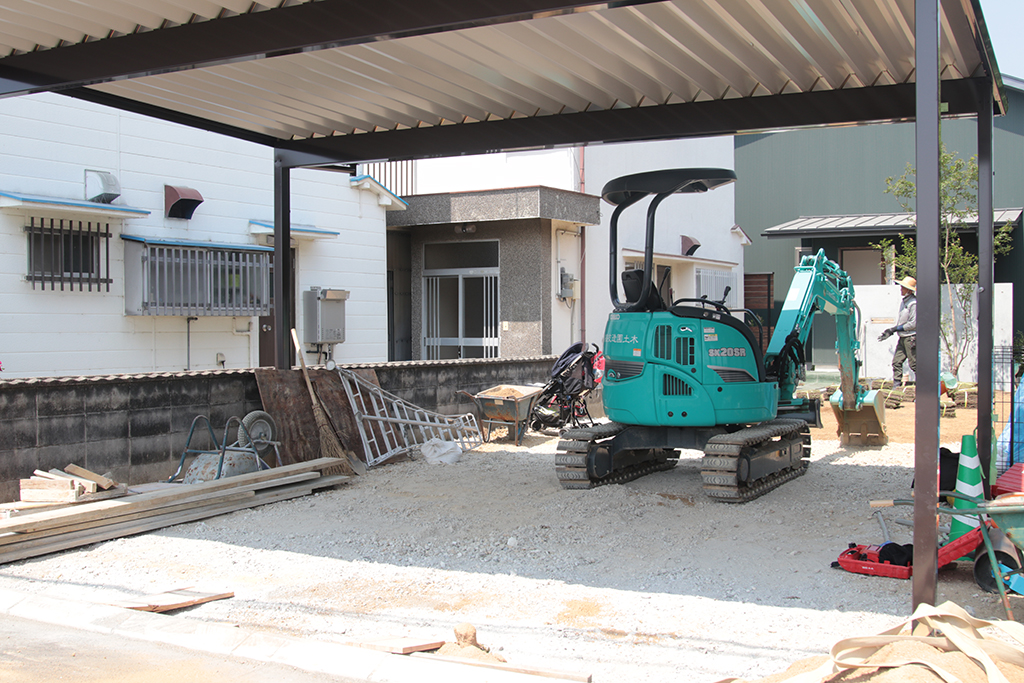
pixel 566 252
pixel 558 168
pixel 46 144
pixel 707 217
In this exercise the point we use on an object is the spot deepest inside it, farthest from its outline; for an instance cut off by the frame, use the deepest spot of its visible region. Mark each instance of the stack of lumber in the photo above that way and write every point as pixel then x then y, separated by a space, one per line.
pixel 73 484
pixel 48 531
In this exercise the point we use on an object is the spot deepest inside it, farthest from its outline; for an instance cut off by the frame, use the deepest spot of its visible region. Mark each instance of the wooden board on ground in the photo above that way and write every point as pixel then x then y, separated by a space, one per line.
pixel 57 475
pixel 401 645
pixel 286 398
pixel 82 473
pixel 39 490
pixel 127 525
pixel 106 508
pixel 172 600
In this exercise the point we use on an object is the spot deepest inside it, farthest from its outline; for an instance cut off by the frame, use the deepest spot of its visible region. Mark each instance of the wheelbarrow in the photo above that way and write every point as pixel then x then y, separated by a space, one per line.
pixel 506 405
pixel 255 438
pixel 1002 534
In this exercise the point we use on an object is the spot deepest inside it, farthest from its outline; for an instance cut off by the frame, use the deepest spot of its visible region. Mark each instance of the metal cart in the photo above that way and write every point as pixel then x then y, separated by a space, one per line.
pixel 506 405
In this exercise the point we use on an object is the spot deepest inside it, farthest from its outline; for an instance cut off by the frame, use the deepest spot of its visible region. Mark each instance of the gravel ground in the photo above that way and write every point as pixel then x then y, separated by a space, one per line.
pixel 647 581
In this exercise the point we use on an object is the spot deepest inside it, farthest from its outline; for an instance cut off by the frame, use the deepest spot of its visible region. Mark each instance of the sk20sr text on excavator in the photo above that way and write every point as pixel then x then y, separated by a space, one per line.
pixel 690 374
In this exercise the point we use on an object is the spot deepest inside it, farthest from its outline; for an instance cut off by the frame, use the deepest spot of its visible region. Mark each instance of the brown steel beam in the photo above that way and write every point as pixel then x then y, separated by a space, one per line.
pixel 926 423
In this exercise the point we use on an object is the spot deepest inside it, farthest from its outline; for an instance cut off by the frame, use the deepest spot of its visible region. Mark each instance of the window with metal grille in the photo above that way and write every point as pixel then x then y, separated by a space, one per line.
pixel 712 283
pixel 68 253
pixel 185 279
pixel 684 350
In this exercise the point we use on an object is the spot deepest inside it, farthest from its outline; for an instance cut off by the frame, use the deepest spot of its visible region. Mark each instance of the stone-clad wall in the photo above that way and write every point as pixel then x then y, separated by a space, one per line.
pixel 136 426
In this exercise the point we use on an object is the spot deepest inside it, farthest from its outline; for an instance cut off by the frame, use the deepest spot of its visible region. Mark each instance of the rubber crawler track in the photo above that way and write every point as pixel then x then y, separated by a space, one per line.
pixel 721 458
pixel 722 454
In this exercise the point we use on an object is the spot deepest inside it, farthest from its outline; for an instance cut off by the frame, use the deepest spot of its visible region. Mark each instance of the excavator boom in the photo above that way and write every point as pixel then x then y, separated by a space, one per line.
pixel 819 285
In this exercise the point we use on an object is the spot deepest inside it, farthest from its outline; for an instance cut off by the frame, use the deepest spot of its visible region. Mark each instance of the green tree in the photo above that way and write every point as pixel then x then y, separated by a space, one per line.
pixel 958 268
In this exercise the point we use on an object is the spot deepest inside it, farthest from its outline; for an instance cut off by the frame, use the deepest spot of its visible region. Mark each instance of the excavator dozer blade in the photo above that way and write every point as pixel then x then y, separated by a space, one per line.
pixel 864 426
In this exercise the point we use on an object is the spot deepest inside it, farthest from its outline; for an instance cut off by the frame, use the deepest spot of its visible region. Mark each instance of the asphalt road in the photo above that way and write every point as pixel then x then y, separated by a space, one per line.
pixel 36 652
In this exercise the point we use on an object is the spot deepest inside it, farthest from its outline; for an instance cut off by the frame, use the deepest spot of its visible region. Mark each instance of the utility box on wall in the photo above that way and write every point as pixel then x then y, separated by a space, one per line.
pixel 324 310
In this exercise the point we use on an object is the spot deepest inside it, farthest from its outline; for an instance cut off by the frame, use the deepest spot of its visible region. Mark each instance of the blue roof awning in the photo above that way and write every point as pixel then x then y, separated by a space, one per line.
pixel 257 227
pixel 193 244
pixel 78 206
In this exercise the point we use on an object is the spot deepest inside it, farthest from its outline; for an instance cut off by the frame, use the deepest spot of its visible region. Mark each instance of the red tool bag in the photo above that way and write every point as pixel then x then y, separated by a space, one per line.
pixel 863 559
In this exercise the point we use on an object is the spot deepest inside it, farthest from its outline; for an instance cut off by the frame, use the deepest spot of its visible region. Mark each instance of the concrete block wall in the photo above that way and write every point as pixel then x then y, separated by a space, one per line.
pixel 136 426
pixel 434 385
pixel 132 426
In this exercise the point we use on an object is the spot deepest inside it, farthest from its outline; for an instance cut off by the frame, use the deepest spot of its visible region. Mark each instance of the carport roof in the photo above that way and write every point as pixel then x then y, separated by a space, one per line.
pixel 876 224
pixel 346 81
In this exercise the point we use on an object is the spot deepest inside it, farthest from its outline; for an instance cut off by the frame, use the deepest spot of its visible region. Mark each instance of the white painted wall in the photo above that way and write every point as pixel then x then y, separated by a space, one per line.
pixel 558 168
pixel 708 217
pixel 47 142
pixel 567 251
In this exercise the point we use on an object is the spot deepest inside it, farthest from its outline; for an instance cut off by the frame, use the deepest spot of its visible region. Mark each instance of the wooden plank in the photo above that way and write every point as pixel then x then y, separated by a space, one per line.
pixel 67 541
pixel 117 492
pixel 172 600
pixel 87 485
pixel 308 480
pixel 285 397
pixel 261 479
pixel 21 507
pixel 39 490
pixel 46 475
pixel 103 482
pixel 92 521
pixel 401 645
pixel 219 498
pixel 533 671
pixel 41 484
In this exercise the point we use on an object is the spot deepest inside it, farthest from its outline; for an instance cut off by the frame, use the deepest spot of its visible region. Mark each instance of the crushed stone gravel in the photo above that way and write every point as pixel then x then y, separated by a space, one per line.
pixel 648 581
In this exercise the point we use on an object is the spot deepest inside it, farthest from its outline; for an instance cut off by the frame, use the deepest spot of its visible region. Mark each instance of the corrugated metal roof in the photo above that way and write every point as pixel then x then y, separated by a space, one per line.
pixel 872 224
pixel 335 78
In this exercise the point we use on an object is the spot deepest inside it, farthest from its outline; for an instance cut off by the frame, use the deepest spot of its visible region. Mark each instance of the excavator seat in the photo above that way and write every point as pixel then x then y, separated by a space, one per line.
pixel 633 285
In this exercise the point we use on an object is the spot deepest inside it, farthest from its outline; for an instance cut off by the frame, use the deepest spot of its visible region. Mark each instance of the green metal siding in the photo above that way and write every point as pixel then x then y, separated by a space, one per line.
pixel 829 171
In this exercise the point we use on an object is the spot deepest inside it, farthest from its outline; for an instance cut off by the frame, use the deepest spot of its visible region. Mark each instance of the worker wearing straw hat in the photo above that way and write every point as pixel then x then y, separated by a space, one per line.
pixel 906 331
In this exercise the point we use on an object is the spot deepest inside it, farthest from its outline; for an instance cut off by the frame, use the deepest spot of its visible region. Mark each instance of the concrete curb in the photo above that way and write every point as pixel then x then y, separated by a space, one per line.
pixel 314 656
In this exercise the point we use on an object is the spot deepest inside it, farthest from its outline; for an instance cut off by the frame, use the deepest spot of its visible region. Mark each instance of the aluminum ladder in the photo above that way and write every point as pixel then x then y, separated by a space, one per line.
pixel 390 426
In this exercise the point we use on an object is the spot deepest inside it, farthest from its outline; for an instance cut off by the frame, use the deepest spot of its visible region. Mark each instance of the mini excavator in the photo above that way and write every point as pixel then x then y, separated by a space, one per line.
pixel 690 374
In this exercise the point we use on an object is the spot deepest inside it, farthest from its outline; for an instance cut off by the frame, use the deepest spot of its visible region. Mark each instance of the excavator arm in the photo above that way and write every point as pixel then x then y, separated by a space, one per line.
pixel 819 285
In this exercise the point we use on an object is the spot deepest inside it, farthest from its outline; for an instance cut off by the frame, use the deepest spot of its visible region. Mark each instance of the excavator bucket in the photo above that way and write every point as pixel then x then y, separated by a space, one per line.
pixel 862 425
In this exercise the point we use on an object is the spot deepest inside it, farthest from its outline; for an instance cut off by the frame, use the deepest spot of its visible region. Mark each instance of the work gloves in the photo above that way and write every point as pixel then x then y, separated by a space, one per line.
pixel 886 334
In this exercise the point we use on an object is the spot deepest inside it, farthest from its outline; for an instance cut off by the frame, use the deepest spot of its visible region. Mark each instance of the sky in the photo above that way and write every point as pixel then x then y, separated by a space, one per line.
pixel 1005 22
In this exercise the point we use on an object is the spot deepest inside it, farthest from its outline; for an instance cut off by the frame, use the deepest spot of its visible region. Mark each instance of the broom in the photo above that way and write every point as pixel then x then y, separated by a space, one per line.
pixel 330 447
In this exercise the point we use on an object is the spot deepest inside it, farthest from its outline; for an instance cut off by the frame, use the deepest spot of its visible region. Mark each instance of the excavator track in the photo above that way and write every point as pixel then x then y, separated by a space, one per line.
pixel 725 455
pixel 571 459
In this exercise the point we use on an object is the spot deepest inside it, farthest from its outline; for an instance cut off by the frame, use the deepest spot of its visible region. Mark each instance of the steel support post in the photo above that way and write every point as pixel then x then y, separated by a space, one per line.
pixel 986 279
pixel 926 429
pixel 283 276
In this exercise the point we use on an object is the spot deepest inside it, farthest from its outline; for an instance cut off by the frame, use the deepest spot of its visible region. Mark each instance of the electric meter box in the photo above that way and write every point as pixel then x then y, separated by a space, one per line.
pixel 324 310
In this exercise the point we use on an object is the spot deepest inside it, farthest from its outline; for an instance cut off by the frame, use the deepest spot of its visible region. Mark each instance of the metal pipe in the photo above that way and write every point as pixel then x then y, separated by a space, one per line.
pixel 926 429
pixel 583 284
pixel 188 341
pixel 282 262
